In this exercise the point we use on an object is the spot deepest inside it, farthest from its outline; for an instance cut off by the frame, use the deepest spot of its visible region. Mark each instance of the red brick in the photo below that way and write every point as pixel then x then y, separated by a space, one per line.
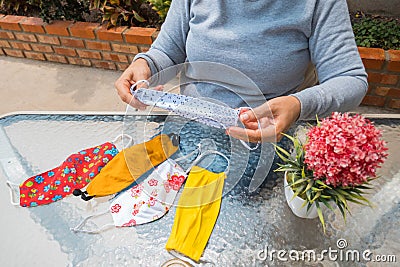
pixel 394 103
pixel 144 49
pixel 72 42
pixel 79 61
pixel 65 51
pixel 56 58
pixel 42 48
pixel 32 24
pixel 104 65
pixel 83 29
pixel 123 48
pixel 113 34
pixel 11 22
pixel 122 66
pixel 98 45
pixel 115 57
pixel 35 55
pixel 13 53
pixel 4 43
pixel 6 35
pixel 382 91
pixel 373 101
pixel 89 54
pixel 394 60
pixel 373 58
pixel 2 52
pixel 138 35
pixel 382 78
pixel 20 45
pixel 27 37
pixel 394 92
pixel 58 27
pixel 48 39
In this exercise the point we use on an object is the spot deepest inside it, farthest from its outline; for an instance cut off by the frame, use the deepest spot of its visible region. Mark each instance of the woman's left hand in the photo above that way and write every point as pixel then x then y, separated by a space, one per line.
pixel 267 122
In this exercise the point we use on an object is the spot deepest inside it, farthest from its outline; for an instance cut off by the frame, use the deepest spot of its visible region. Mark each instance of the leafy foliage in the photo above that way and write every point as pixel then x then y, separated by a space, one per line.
pixel 162 7
pixel 126 12
pixel 20 7
pixel 370 32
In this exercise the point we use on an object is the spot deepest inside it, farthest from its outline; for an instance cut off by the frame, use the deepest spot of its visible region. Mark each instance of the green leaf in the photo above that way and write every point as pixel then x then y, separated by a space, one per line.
pixel 321 216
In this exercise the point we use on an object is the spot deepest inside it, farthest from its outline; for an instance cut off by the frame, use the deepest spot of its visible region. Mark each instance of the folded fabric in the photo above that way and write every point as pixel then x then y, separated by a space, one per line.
pixel 74 173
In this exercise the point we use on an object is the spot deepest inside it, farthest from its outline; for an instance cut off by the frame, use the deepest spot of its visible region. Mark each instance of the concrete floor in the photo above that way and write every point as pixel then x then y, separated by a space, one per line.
pixel 29 85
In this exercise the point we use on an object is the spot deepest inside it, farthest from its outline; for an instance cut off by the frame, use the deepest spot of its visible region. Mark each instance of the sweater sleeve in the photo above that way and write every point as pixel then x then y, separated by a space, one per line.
pixel 342 77
pixel 170 46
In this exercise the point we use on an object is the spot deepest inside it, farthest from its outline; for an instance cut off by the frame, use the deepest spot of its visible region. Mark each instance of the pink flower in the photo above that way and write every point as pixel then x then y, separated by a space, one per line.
pixel 130 223
pixel 344 150
pixel 136 190
pixel 175 181
pixel 153 182
pixel 115 208
pixel 152 201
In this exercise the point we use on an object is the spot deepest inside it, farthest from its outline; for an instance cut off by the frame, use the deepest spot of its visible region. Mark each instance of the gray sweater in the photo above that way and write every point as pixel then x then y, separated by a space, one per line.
pixel 268 42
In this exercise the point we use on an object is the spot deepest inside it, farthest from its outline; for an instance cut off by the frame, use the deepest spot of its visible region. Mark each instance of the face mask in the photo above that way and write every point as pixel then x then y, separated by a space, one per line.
pixel 197 212
pixel 147 201
pixel 74 173
pixel 129 165
pixel 206 112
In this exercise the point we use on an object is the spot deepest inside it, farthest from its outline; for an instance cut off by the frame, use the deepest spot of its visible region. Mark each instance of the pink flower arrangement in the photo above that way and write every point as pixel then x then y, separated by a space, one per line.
pixel 344 150
pixel 335 164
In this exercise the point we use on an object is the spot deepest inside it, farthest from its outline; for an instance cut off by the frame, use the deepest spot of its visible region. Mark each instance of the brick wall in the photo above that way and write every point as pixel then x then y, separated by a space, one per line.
pixel 92 45
pixel 79 43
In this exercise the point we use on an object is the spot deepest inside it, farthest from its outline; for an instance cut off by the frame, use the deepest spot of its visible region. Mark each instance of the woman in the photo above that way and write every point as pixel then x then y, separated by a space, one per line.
pixel 272 42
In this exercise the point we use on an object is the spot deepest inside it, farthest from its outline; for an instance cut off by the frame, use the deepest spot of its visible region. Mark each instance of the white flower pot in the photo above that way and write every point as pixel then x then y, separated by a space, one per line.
pixel 296 203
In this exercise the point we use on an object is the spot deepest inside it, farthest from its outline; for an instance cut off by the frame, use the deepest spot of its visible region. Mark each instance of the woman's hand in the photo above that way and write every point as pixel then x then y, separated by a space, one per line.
pixel 138 70
pixel 274 117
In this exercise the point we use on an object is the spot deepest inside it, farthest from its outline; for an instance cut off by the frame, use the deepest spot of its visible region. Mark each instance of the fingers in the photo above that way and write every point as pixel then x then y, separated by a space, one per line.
pixel 266 134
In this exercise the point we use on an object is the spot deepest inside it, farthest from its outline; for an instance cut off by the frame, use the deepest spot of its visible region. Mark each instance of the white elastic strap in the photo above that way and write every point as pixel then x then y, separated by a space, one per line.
pixel 133 87
pixel 121 136
pixel 187 259
pixel 12 193
pixel 259 127
pixel 206 153
pixel 184 157
pixel 79 229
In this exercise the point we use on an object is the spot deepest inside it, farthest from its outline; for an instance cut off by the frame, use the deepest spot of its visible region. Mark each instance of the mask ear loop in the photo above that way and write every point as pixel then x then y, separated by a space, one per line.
pixel 206 153
pixel 259 127
pixel 133 87
pixel 12 193
pixel 78 228
pixel 121 136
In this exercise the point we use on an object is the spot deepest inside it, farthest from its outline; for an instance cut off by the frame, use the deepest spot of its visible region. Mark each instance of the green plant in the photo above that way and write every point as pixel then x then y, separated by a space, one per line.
pixel 20 7
pixel 162 7
pixel 376 33
pixel 124 12
pixel 64 9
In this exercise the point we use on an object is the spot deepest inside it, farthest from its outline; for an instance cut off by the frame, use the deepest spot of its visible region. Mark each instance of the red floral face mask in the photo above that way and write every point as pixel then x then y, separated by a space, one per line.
pixel 74 173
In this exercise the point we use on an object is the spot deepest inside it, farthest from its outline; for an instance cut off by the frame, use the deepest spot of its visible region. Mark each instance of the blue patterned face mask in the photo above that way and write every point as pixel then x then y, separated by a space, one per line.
pixel 206 112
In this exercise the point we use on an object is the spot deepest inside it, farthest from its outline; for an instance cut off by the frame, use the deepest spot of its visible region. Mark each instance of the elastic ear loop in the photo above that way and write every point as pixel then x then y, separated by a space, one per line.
pixel 259 127
pixel 79 227
pixel 121 136
pixel 206 153
pixel 133 87
pixel 12 194
pixel 187 259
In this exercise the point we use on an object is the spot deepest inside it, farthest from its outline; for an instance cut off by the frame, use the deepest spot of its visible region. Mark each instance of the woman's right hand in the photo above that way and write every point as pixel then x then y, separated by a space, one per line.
pixel 138 70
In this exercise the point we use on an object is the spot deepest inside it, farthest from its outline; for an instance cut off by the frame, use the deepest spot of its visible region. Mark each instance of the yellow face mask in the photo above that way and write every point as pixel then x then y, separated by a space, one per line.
pixel 130 164
pixel 197 212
